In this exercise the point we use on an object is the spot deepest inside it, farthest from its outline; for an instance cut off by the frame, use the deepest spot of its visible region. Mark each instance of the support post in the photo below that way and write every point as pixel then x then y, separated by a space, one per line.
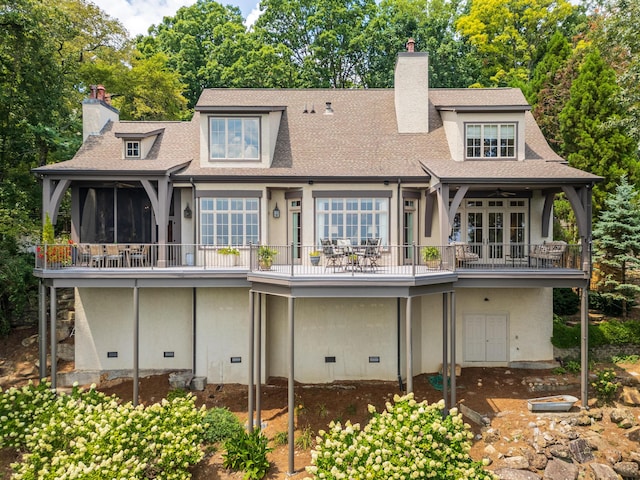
pixel 452 312
pixel 251 394
pixel 409 341
pixel 136 345
pixel 291 399
pixel 54 340
pixel 42 330
pixel 584 347
pixel 259 363
pixel 445 353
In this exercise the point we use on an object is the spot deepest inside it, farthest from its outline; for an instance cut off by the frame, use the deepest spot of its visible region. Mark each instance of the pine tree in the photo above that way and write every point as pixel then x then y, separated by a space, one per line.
pixel 591 139
pixel 617 245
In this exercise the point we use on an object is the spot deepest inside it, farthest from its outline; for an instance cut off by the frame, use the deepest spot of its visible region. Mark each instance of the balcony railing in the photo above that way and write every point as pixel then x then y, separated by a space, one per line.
pixel 297 260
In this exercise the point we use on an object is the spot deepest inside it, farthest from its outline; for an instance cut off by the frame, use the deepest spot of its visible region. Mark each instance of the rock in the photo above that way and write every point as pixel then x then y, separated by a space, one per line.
pixel 584 420
pixel 627 469
pixel 62 332
pixel 627 423
pixel 560 451
pixel 560 470
pixel 580 450
pixel 619 415
pixel 512 474
pixel 633 457
pixel 612 456
pixel 66 352
pixel 518 462
pixel 490 435
pixel 603 472
pixel 633 434
pixel 539 461
pixel 630 396
pixel 26 370
pixel 490 450
pixel 596 414
pixel 29 340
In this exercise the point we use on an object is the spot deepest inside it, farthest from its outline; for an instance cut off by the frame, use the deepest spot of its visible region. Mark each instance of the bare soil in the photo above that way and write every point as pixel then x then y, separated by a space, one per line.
pixel 498 393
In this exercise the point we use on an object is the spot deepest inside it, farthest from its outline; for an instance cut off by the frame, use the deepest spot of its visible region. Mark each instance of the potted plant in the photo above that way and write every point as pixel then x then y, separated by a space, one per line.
pixel 55 252
pixel 230 256
pixel 265 257
pixel 314 256
pixel 430 256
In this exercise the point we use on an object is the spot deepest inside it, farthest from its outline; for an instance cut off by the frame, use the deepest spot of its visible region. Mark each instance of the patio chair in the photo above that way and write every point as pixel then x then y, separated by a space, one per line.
pixel 113 255
pixel 548 253
pixel 371 253
pixel 138 255
pixel 97 255
pixel 464 254
pixel 333 257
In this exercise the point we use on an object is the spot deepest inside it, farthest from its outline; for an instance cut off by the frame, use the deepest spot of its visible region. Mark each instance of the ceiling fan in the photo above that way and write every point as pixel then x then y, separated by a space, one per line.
pixel 501 193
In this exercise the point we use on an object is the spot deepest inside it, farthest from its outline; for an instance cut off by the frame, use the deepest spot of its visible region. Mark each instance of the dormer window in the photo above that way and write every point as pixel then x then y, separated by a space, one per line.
pixel 490 140
pixel 234 138
pixel 132 149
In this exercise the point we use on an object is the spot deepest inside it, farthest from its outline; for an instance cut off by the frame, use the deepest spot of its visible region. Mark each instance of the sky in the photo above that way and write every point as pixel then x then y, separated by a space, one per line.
pixel 138 15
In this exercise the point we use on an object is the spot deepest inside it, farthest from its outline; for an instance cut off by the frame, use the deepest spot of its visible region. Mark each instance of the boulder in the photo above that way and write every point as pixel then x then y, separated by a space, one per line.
pixel 560 470
pixel 513 474
pixel 603 472
pixel 627 469
pixel 580 450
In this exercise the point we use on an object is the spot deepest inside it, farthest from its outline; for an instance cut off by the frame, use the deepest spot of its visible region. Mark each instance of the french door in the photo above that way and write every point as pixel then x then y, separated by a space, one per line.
pixel 496 229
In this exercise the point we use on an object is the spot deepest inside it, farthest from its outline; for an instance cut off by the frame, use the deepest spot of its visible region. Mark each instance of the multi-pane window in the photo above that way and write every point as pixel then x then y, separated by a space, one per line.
pixel 356 219
pixel 490 140
pixel 234 138
pixel 229 221
pixel 132 149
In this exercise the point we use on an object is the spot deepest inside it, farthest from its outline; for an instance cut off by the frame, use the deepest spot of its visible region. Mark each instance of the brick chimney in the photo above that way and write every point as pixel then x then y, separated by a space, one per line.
pixel 411 86
pixel 97 111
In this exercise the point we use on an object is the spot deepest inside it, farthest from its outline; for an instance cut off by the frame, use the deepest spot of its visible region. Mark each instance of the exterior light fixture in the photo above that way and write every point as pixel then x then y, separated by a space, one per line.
pixel 187 212
pixel 276 212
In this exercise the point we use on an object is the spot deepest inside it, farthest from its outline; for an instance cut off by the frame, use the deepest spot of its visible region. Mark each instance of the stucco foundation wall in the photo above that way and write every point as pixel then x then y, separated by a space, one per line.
pixel 349 329
pixel 105 322
pixel 529 320
pixel 222 333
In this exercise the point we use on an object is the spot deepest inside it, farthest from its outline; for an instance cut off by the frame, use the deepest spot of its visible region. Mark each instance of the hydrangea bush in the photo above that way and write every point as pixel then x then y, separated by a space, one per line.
pixel 407 440
pixel 88 435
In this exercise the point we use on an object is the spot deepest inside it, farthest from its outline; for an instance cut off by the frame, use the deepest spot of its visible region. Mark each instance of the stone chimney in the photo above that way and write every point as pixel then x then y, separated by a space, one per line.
pixel 411 86
pixel 97 111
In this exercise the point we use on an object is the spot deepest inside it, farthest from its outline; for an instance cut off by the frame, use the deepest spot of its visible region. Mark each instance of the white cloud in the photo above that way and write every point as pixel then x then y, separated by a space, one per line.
pixel 253 15
pixel 138 15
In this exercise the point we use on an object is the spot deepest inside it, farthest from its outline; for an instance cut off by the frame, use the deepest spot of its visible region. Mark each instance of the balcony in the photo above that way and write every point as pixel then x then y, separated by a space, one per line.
pixel 330 260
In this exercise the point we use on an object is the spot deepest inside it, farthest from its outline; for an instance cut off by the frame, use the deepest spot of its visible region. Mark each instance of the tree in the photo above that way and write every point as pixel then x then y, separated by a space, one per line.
pixel 621 44
pixel 431 23
pixel 591 139
pixel 507 34
pixel 326 38
pixel 617 245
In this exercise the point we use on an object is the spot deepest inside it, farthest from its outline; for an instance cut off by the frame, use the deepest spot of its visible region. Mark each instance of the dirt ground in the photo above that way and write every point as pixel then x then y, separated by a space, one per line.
pixel 498 393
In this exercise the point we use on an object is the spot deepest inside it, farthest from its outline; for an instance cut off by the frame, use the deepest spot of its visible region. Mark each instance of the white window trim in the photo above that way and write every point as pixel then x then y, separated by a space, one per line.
pixel 234 117
pixel 244 212
pixel 498 147
pixel 381 229
pixel 131 142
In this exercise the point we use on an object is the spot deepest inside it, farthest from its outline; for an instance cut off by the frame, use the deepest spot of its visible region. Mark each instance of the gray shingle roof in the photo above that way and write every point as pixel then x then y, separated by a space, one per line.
pixel 360 139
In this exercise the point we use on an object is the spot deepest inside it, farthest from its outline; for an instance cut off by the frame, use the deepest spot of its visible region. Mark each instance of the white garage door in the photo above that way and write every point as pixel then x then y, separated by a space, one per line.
pixel 485 338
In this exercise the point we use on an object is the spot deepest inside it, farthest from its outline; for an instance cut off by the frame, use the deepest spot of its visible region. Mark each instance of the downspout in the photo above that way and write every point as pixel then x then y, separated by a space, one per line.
pixel 399 344
pixel 398 313
pixel 194 318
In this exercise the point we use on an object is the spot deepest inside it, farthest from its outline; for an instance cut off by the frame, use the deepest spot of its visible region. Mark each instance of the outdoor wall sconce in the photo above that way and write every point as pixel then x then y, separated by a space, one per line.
pixel 276 212
pixel 187 211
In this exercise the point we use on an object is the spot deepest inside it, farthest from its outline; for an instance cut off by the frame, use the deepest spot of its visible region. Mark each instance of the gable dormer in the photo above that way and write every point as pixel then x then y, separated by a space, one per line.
pixel 237 136
pixel 483 124
pixel 136 146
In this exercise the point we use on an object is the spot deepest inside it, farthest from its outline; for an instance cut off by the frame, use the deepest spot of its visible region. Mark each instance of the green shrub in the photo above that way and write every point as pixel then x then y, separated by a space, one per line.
pixel 247 452
pixel 565 336
pixel 605 385
pixel 407 440
pixel 177 393
pixel 305 439
pixel 89 435
pixel 565 301
pixel 611 332
pixel 220 424
pixel 606 304
pixel 280 438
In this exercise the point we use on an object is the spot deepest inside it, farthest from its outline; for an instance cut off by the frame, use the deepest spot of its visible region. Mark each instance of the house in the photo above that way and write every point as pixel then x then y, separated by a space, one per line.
pixel 369 177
